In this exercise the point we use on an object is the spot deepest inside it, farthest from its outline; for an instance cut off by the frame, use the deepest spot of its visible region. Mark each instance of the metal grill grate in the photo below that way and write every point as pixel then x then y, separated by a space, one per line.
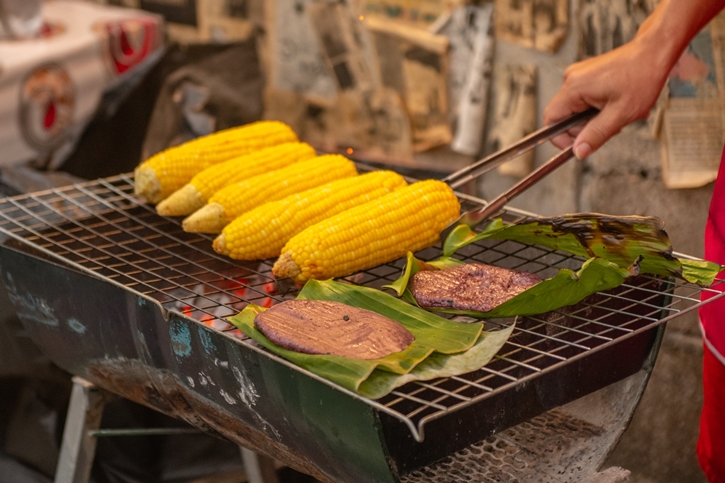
pixel 100 228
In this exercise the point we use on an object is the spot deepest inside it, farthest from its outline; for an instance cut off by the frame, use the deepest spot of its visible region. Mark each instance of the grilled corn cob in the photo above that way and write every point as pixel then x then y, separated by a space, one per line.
pixel 408 219
pixel 262 232
pixel 197 192
pixel 230 202
pixel 165 172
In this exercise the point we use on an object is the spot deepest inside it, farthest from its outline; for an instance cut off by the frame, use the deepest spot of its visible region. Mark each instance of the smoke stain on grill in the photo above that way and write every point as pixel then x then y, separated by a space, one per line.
pixel 161 390
pixel 227 397
pixel 206 341
pixel 247 392
pixel 180 340
pixel 76 326
pixel 29 306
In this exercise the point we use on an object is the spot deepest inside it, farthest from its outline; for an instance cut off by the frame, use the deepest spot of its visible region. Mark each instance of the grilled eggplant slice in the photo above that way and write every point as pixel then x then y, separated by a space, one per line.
pixel 324 327
pixel 475 286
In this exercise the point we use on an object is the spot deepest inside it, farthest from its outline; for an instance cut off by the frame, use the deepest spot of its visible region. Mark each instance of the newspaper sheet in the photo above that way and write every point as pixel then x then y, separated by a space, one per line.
pixel 691 143
pixel 372 125
pixel 470 33
pixel 692 127
pixel 605 25
pixel 537 24
pixel 189 21
pixel 229 20
pixel 514 114
pixel 294 57
pixel 421 13
pixel 344 42
pixel 326 83
pixel 414 63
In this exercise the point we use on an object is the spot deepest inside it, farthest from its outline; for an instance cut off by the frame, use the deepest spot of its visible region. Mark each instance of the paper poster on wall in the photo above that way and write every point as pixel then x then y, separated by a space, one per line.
pixel 414 63
pixel 421 13
pixel 325 81
pixel 343 42
pixel 605 25
pixel 692 128
pixel 371 125
pixel 295 60
pixel 514 115
pixel 470 34
pixel 537 24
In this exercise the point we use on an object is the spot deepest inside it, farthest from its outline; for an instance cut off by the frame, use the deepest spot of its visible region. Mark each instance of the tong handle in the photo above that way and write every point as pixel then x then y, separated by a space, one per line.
pixel 475 217
pixel 497 203
pixel 527 143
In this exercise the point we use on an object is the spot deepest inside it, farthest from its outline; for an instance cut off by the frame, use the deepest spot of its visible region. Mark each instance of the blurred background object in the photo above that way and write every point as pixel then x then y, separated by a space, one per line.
pixel 20 19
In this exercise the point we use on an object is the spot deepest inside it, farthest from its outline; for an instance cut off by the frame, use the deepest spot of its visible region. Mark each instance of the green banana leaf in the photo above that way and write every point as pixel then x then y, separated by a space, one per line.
pixel 437 365
pixel 565 288
pixel 700 272
pixel 617 239
pixel 429 329
pixel 616 247
pixel 441 347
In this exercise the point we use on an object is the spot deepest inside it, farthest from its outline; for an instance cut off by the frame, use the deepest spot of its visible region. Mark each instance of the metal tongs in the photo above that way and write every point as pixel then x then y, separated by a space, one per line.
pixel 473 171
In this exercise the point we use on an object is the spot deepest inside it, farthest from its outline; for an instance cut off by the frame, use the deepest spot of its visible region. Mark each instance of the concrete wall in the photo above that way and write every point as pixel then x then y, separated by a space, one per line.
pixel 625 178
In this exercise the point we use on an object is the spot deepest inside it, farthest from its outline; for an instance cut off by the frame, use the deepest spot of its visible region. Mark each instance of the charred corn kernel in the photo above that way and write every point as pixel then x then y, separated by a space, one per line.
pixel 197 192
pixel 165 172
pixel 263 231
pixel 382 230
pixel 228 203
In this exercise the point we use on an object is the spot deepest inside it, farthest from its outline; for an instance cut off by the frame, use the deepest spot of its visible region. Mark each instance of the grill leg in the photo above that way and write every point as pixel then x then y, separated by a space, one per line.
pixel 78 446
pixel 259 468
pixel 79 440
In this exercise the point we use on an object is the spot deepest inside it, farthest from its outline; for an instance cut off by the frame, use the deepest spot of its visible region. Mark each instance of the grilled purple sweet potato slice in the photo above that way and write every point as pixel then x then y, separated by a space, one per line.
pixel 475 286
pixel 324 327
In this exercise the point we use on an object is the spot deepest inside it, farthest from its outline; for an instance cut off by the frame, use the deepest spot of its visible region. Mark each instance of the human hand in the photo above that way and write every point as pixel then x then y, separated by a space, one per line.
pixel 623 84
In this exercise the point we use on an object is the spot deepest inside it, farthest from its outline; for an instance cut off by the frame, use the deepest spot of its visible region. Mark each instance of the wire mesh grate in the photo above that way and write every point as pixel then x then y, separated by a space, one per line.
pixel 101 228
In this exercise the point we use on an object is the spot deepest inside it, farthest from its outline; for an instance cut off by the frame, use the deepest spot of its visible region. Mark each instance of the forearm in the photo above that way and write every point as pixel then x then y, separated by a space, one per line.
pixel 673 24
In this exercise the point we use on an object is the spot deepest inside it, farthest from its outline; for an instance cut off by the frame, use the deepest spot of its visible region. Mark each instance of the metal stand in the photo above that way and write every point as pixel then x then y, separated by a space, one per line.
pixel 78 446
pixel 82 428
pixel 259 468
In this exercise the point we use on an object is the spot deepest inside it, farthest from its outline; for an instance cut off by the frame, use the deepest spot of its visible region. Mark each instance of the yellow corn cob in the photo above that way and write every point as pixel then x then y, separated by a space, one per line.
pixel 165 172
pixel 262 232
pixel 228 203
pixel 382 230
pixel 197 192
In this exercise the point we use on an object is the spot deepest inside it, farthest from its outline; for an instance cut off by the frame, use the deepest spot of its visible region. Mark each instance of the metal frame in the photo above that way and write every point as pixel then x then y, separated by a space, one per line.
pixel 101 229
pixel 79 445
pixel 80 434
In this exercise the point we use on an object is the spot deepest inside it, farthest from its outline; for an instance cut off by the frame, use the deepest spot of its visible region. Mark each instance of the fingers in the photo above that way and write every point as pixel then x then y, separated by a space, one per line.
pixel 559 109
pixel 570 99
pixel 599 130
pixel 566 139
pixel 565 103
pixel 563 140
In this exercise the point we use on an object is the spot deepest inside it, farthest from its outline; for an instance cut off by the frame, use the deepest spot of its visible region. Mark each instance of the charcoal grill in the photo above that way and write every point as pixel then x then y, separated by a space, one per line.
pixel 122 297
